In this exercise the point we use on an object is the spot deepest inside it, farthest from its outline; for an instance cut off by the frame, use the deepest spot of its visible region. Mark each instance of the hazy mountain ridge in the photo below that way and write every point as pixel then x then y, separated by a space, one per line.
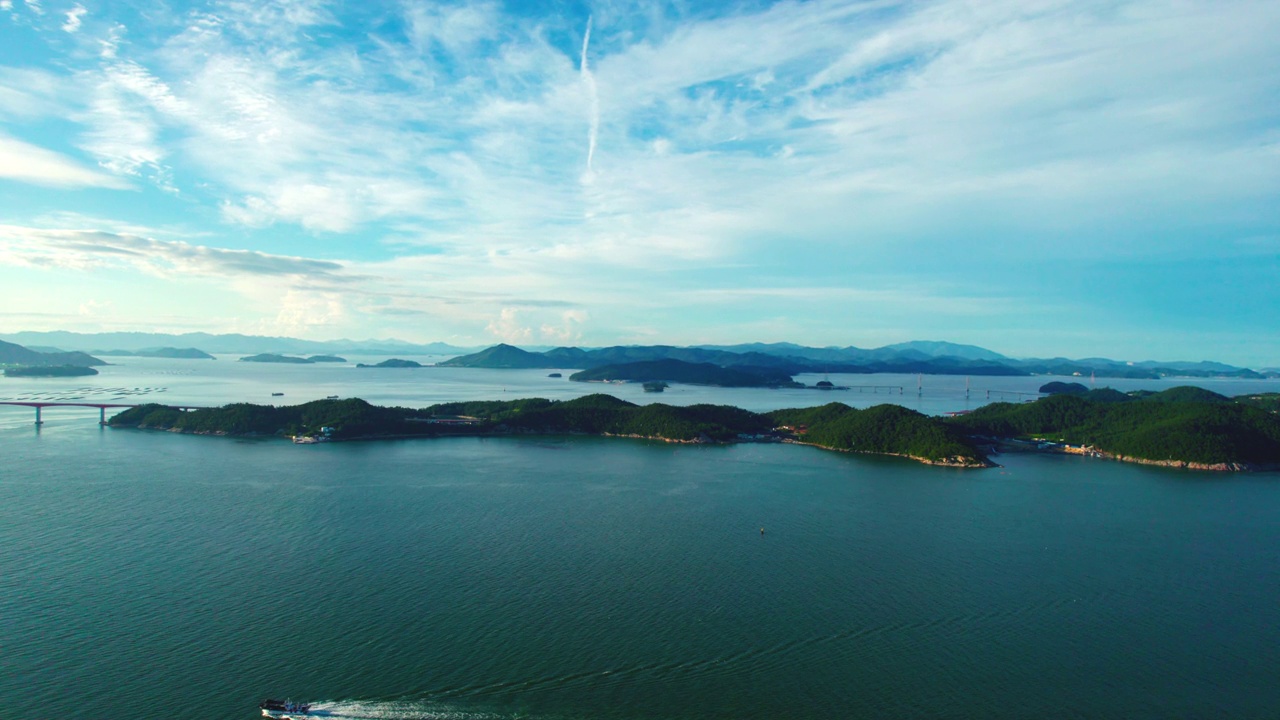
pixel 161 352
pixel 920 356
pixel 508 356
pixel 926 357
pixel 13 354
pixel 234 343
pixel 679 371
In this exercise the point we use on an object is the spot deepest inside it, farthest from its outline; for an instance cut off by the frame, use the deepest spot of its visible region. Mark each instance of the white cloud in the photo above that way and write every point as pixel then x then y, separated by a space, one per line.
pixel 276 20
pixel 593 111
pixel 301 310
pixel 568 331
pixel 74 15
pixel 95 249
pixel 455 28
pixel 32 164
pixel 125 133
pixel 29 94
pixel 97 308
pixel 507 327
pixel 865 137
pixel 316 207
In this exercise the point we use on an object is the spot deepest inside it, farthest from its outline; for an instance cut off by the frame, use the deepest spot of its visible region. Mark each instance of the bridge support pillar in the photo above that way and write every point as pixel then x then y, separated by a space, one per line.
pixel 38 420
pixel 102 416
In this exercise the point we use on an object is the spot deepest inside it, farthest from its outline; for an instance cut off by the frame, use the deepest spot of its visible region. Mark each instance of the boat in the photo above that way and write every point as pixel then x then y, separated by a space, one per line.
pixel 331 397
pixel 276 394
pixel 283 708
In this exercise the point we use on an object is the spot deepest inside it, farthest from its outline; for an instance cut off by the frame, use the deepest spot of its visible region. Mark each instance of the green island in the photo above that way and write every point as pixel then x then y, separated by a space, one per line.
pixel 1058 387
pixel 886 429
pixel 274 358
pixel 17 355
pixel 679 371
pixel 393 363
pixel 49 371
pixel 1181 427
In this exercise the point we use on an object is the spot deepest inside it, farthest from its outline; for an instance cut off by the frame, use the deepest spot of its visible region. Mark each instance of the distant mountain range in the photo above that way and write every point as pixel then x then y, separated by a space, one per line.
pixel 916 350
pixel 930 358
pixel 766 359
pixel 925 356
pixel 233 344
pixel 163 352
pixel 11 354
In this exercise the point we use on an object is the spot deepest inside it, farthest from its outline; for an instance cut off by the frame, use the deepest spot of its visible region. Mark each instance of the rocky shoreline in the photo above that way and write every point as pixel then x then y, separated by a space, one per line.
pixel 1005 445
pixel 960 463
pixel 1015 445
pixel 1186 465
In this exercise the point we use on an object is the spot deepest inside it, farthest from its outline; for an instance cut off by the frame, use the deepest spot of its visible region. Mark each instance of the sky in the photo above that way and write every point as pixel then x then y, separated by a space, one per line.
pixel 1043 178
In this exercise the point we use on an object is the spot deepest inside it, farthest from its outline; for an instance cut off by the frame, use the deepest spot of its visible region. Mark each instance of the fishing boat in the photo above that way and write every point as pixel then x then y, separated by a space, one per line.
pixel 283 708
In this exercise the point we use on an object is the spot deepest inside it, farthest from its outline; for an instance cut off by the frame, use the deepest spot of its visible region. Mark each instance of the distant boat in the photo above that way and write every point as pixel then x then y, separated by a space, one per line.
pixel 331 397
pixel 276 394
pixel 283 708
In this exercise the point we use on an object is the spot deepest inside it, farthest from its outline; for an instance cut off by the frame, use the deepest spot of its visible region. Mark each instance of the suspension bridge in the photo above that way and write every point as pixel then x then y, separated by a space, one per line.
pixel 40 405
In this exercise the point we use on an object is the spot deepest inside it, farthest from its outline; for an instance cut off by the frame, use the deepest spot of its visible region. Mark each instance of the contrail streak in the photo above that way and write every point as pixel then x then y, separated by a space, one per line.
pixel 590 80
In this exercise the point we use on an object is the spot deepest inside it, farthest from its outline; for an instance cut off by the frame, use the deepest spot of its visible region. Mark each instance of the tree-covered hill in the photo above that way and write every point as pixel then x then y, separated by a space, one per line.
pixel 1063 388
pixel 888 429
pixel 12 354
pixel 1159 427
pixel 605 414
pixel 1178 425
pixel 1182 393
pixel 679 371
pixel 1265 401
pixel 393 363
pixel 502 356
pixel 884 429
pixel 274 358
pixel 350 418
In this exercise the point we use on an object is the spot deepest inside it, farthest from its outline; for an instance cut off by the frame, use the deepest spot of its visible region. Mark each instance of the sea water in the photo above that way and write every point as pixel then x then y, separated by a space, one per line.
pixel 147 575
pixel 130 380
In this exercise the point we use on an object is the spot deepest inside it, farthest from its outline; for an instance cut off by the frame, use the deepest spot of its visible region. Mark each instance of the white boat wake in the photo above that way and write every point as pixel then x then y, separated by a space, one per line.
pixel 399 710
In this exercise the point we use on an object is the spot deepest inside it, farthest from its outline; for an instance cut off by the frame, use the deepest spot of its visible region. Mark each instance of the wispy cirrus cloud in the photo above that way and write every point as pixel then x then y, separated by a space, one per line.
pixel 91 249
pixel 618 162
pixel 29 163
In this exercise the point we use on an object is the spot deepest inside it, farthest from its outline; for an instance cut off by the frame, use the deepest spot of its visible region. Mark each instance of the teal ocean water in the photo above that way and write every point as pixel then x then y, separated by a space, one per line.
pixel 151 575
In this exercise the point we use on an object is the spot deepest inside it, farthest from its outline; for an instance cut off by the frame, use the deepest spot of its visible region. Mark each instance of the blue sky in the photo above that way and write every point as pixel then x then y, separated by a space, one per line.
pixel 1040 177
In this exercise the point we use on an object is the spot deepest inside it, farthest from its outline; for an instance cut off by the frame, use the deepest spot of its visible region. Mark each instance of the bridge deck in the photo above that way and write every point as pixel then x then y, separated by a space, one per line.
pixel 40 405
